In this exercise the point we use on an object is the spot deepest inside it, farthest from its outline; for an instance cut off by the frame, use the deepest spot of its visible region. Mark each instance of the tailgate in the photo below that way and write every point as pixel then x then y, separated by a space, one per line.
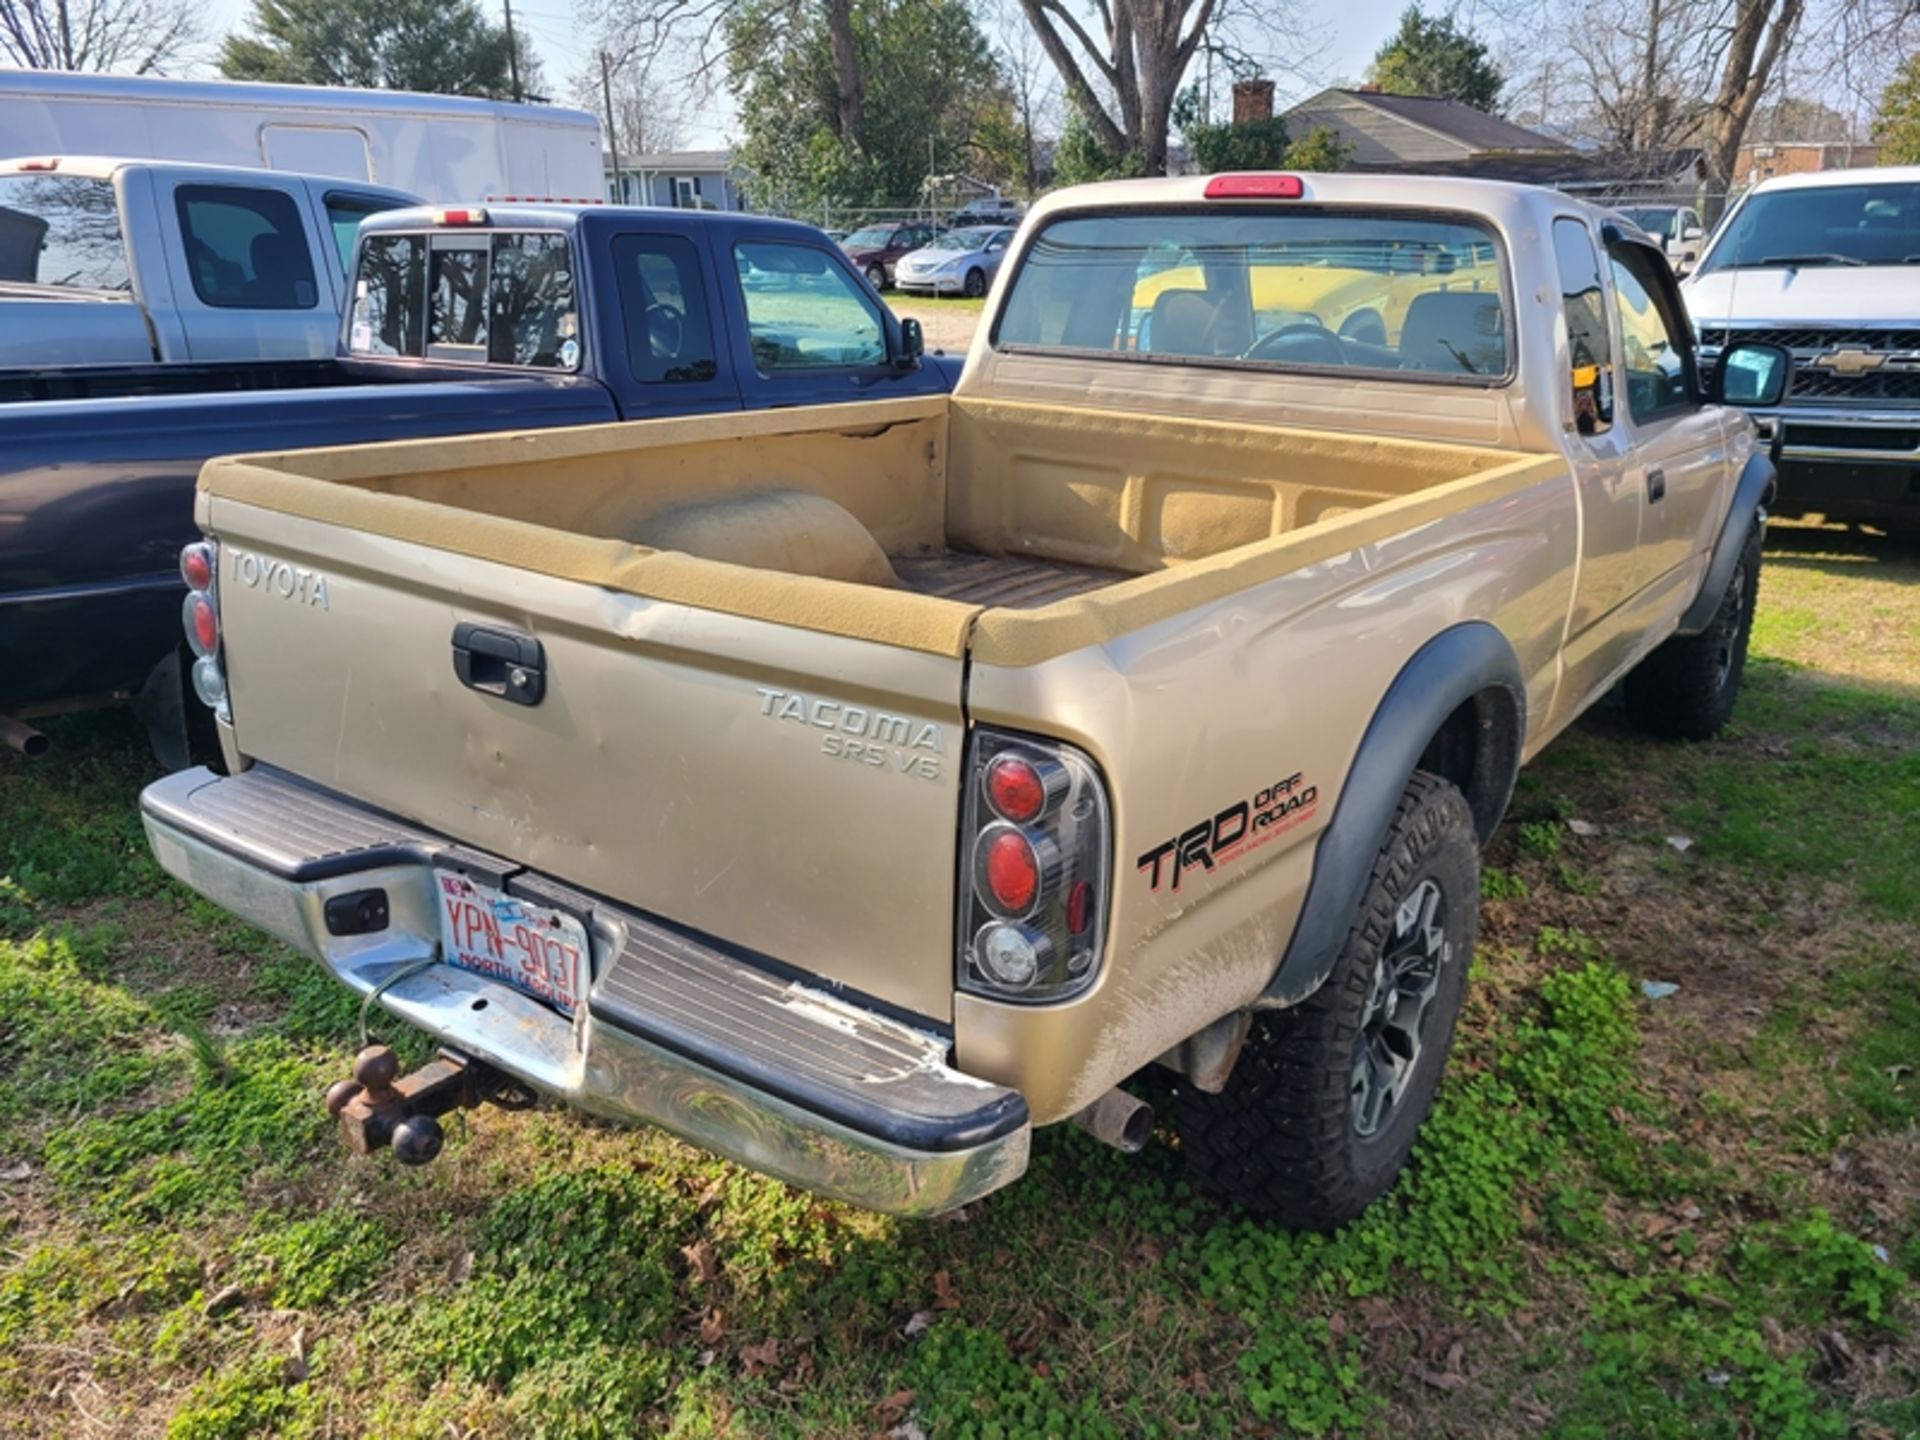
pixel 784 790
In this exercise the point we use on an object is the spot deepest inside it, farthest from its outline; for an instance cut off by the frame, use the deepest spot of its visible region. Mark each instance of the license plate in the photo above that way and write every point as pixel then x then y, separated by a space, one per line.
pixel 534 948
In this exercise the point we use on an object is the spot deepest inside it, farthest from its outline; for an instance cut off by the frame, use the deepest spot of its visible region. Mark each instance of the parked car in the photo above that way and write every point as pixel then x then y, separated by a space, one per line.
pixel 440 147
pixel 1824 264
pixel 1676 227
pixel 463 320
pixel 988 210
pixel 876 249
pixel 958 262
pixel 852 792
pixel 121 262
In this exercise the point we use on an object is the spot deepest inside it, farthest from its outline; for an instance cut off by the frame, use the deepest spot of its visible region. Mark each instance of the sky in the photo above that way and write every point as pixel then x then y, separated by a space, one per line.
pixel 1350 31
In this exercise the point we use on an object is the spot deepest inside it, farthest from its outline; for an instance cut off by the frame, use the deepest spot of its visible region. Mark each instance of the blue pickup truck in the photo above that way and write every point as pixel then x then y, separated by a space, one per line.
pixel 509 317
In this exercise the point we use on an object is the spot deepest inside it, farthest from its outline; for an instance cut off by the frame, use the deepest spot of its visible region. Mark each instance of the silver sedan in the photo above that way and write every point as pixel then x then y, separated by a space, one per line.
pixel 960 262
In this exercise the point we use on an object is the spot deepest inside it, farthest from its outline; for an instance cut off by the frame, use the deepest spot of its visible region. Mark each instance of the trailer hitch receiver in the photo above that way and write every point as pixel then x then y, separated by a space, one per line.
pixel 381 1107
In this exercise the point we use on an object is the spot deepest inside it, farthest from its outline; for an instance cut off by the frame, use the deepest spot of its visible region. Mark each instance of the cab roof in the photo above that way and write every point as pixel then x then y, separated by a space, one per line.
pixel 587 219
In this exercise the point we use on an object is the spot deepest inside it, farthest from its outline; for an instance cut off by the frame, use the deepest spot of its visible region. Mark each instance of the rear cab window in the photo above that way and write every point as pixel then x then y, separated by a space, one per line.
pixel 504 298
pixel 62 230
pixel 1421 296
pixel 246 248
pixel 804 312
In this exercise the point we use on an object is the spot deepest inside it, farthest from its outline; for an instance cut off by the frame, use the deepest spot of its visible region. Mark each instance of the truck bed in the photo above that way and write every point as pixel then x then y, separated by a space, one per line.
pixel 1011 582
pixel 932 523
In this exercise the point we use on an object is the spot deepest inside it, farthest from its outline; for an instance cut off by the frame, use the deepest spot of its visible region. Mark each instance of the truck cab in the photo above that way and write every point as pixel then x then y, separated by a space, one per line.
pixel 124 262
pixel 1827 265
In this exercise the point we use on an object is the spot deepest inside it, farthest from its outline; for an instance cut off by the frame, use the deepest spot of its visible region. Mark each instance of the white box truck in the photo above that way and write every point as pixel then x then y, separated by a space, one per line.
pixel 440 147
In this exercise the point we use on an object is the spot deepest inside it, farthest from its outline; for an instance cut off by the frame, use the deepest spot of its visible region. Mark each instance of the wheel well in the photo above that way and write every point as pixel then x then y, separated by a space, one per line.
pixel 1477 748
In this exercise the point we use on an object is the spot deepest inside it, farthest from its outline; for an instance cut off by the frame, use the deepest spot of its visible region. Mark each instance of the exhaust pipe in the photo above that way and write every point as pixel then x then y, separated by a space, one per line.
pixel 24 738
pixel 1119 1120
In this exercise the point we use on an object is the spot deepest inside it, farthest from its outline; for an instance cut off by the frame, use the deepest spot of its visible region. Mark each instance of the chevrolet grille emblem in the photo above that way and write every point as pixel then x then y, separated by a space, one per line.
pixel 1850 361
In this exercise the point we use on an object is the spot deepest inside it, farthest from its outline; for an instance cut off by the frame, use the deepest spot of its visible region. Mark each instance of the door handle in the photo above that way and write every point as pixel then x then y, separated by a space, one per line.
pixel 502 663
pixel 1656 483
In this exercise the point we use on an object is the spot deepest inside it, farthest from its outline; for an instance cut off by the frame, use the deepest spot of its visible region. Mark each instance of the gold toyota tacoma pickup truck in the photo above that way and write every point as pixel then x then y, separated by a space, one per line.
pixel 852 790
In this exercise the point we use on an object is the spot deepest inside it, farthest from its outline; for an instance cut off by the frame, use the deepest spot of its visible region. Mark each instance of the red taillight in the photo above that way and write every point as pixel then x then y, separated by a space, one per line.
pixel 1255 187
pixel 1012 872
pixel 196 566
pixel 1015 789
pixel 468 215
pixel 1036 834
pixel 206 625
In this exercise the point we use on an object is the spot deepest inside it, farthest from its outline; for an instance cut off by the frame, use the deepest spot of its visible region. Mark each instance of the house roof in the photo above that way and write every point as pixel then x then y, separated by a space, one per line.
pixel 684 162
pixel 1398 130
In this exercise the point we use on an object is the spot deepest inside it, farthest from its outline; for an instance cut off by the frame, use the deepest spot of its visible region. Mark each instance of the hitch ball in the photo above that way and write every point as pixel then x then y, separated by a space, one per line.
pixel 417 1140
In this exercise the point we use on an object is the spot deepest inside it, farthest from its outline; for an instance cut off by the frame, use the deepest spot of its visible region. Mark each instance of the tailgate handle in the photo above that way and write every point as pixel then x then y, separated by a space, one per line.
pixel 504 663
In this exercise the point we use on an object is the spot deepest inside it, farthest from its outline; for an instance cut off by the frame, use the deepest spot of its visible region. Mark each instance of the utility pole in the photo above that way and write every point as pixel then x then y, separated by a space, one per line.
pixel 613 136
pixel 513 53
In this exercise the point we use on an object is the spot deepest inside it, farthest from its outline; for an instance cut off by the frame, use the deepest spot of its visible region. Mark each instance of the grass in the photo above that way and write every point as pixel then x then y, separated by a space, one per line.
pixel 1697 1216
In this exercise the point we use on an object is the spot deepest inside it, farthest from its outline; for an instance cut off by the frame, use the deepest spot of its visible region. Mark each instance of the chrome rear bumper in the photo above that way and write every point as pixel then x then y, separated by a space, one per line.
pixel 782 1076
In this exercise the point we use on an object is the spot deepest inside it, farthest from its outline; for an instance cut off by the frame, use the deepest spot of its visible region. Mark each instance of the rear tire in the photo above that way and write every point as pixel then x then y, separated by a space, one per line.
pixel 1686 689
pixel 1322 1110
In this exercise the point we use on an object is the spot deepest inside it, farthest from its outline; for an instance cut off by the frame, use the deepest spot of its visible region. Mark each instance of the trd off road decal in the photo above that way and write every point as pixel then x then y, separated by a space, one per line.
pixel 1242 827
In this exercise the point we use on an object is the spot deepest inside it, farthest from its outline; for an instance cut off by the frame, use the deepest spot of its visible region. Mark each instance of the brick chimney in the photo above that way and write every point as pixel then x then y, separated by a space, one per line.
pixel 1252 100
pixel 1370 88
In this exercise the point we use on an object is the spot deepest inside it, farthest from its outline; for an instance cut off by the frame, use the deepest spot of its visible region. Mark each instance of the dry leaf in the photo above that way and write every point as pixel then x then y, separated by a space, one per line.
pixel 1443 1380
pixel 225 1298
pixel 917 1324
pixel 296 1369
pixel 713 1326
pixel 20 1170
pixel 701 1265
pixel 755 1358
pixel 461 1269
pixel 1336 1324
pixel 895 1405
pixel 944 1297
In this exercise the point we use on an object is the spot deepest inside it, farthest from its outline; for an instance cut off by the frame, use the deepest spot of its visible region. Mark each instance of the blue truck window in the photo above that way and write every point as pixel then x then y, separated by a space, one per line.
pixel 246 248
pixel 61 230
pixel 531 315
pixel 457 300
pixel 664 303
pixel 389 312
pixel 804 312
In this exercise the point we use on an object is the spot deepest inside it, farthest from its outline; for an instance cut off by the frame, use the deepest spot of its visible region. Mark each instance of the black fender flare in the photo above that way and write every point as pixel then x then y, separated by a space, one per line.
pixel 1750 496
pixel 1461 664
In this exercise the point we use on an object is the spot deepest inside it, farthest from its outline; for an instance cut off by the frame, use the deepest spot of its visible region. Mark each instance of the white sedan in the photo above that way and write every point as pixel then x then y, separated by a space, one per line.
pixel 960 262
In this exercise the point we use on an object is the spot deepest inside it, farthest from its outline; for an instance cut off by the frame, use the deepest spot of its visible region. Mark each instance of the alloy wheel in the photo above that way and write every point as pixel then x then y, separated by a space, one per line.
pixel 1406 978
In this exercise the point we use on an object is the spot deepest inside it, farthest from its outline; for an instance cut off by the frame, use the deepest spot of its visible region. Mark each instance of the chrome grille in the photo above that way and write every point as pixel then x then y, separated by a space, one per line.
pixel 1816 385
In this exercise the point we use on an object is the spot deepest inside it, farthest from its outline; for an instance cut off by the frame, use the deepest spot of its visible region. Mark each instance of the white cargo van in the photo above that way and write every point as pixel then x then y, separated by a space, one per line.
pixel 439 147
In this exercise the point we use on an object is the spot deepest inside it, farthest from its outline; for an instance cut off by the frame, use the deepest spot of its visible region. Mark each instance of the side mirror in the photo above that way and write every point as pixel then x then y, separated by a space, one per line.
pixel 1750 373
pixel 913 344
pixel 1692 233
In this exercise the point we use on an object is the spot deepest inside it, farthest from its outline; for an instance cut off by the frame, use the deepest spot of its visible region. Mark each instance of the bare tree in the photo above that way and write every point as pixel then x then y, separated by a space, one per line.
pixel 649 104
pixel 694 37
pixel 1032 82
pixel 1760 34
pixel 141 37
